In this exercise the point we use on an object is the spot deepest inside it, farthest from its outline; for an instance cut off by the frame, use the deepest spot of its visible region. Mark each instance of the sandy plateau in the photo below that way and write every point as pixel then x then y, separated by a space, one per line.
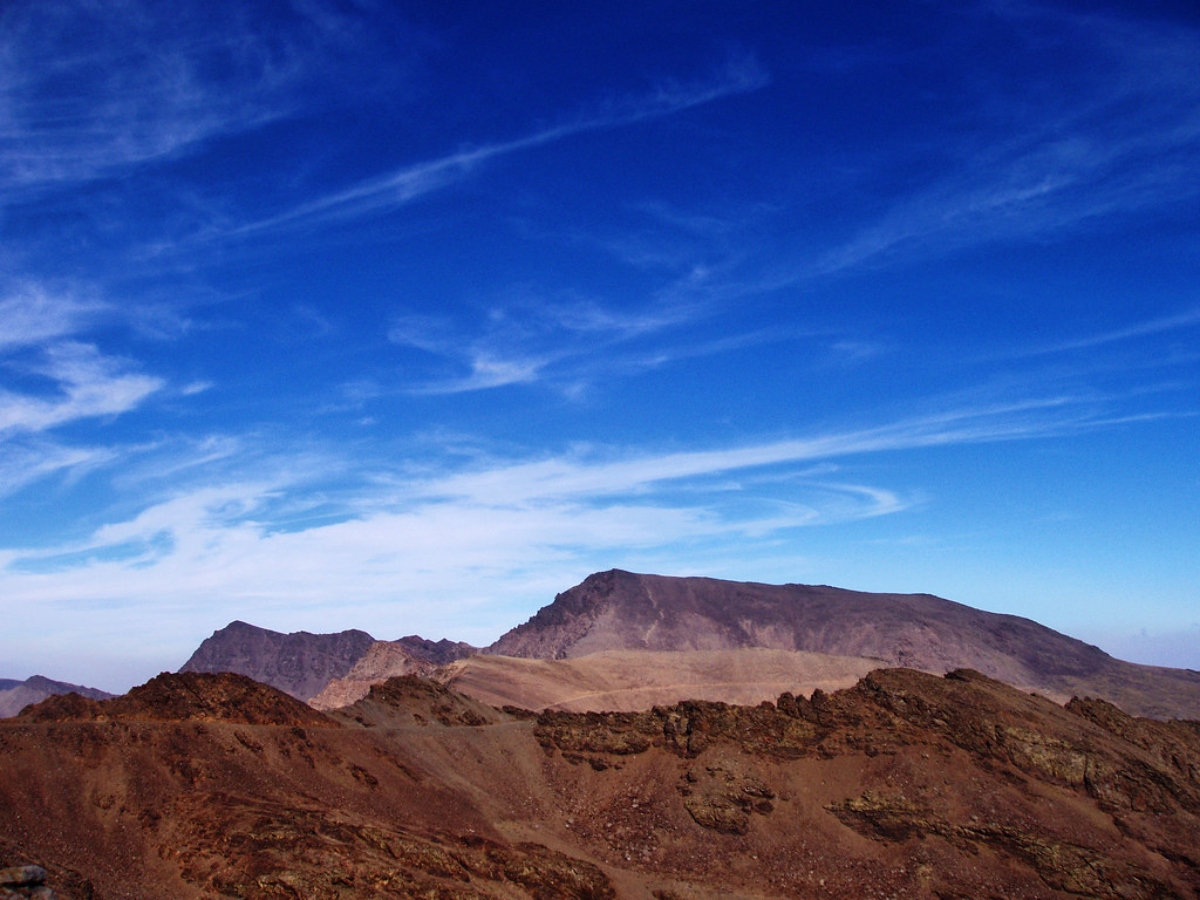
pixel 631 680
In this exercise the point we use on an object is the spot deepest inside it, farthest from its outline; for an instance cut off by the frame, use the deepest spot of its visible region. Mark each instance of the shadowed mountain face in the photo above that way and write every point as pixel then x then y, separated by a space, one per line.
pixel 16 695
pixel 299 664
pixel 303 664
pixel 389 659
pixel 906 785
pixel 618 610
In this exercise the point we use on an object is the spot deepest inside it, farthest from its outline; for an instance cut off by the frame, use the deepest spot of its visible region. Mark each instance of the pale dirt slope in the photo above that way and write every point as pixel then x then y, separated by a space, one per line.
pixel 630 680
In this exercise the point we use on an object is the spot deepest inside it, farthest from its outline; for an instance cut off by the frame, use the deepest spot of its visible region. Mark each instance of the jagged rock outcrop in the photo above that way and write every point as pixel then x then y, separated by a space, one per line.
pixel 16 695
pixel 20 882
pixel 619 610
pixel 300 663
pixel 412 700
pixel 184 697
pixel 906 785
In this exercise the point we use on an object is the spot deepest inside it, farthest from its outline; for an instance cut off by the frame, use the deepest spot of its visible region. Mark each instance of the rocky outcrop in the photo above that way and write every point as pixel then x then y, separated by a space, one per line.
pixel 16 695
pixel 411 700
pixel 300 664
pixel 184 697
pixel 906 785
pixel 389 659
pixel 20 882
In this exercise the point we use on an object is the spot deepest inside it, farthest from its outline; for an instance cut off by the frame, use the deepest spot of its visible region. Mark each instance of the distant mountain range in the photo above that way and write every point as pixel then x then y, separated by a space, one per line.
pixel 624 624
pixel 16 695
pixel 304 664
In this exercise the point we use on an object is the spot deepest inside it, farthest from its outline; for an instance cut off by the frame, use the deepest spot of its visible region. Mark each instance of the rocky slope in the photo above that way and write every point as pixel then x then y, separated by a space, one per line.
pixel 304 664
pixel 300 663
pixel 906 785
pixel 619 610
pixel 631 680
pixel 389 659
pixel 16 695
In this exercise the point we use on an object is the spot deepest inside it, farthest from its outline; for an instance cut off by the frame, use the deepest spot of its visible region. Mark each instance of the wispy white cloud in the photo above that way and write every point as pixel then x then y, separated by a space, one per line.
pixel 530 340
pixel 30 315
pixel 578 477
pixel 26 462
pixel 1187 319
pixel 88 90
pixel 86 383
pixel 112 115
pixel 1115 146
pixel 403 185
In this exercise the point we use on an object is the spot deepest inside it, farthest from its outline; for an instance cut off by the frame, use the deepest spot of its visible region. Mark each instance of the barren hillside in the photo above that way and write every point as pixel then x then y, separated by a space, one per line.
pixel 906 785
pixel 618 610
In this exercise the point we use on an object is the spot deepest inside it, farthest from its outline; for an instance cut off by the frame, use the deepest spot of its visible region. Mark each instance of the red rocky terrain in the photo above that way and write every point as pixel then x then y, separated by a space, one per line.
pixel 906 785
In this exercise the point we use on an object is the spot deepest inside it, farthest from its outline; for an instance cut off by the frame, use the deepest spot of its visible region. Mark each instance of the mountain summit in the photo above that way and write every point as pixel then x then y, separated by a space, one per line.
pixel 300 663
pixel 618 610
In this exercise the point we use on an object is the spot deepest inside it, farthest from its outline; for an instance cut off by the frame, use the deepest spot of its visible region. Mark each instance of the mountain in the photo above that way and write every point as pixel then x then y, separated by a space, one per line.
pixel 905 785
pixel 16 695
pixel 389 659
pixel 821 637
pixel 336 668
pixel 619 610
pixel 300 664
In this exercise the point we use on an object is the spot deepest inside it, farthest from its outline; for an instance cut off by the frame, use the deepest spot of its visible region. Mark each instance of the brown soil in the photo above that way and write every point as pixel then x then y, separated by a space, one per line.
pixel 627 680
pixel 906 785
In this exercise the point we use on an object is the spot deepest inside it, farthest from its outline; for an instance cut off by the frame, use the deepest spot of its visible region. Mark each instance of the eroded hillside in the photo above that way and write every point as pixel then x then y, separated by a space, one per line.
pixel 907 785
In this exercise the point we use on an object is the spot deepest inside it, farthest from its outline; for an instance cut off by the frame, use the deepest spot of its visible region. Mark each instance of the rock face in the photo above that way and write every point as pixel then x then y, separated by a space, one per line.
pixel 906 785
pixel 300 664
pixel 619 610
pixel 389 659
pixel 16 695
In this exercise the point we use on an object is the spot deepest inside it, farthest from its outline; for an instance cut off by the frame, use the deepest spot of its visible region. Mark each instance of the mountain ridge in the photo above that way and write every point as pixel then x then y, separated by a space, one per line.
pixel 653 615
pixel 620 610
pixel 299 663
pixel 904 785
pixel 15 695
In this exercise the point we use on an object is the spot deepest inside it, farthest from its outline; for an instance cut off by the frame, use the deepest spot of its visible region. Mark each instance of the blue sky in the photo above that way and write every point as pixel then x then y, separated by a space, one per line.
pixel 407 316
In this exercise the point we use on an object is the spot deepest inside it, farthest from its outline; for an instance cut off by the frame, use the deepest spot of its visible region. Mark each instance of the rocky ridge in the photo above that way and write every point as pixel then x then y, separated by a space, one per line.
pixel 726 630
pixel 183 697
pixel 16 695
pixel 338 668
pixel 906 785
pixel 619 610
pixel 389 659
pixel 300 663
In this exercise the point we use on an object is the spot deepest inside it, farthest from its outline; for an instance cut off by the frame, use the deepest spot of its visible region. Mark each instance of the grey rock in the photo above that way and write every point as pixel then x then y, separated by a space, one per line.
pixel 22 876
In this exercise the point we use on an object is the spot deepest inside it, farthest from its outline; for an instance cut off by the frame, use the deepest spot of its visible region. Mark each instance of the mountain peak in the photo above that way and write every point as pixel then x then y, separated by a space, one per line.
pixel 620 611
pixel 299 663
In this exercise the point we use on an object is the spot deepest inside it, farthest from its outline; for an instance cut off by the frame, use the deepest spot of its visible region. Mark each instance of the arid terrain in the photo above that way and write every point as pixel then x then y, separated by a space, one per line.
pixel 16 695
pixel 639 737
pixel 633 680
pixel 905 785
pixel 622 641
